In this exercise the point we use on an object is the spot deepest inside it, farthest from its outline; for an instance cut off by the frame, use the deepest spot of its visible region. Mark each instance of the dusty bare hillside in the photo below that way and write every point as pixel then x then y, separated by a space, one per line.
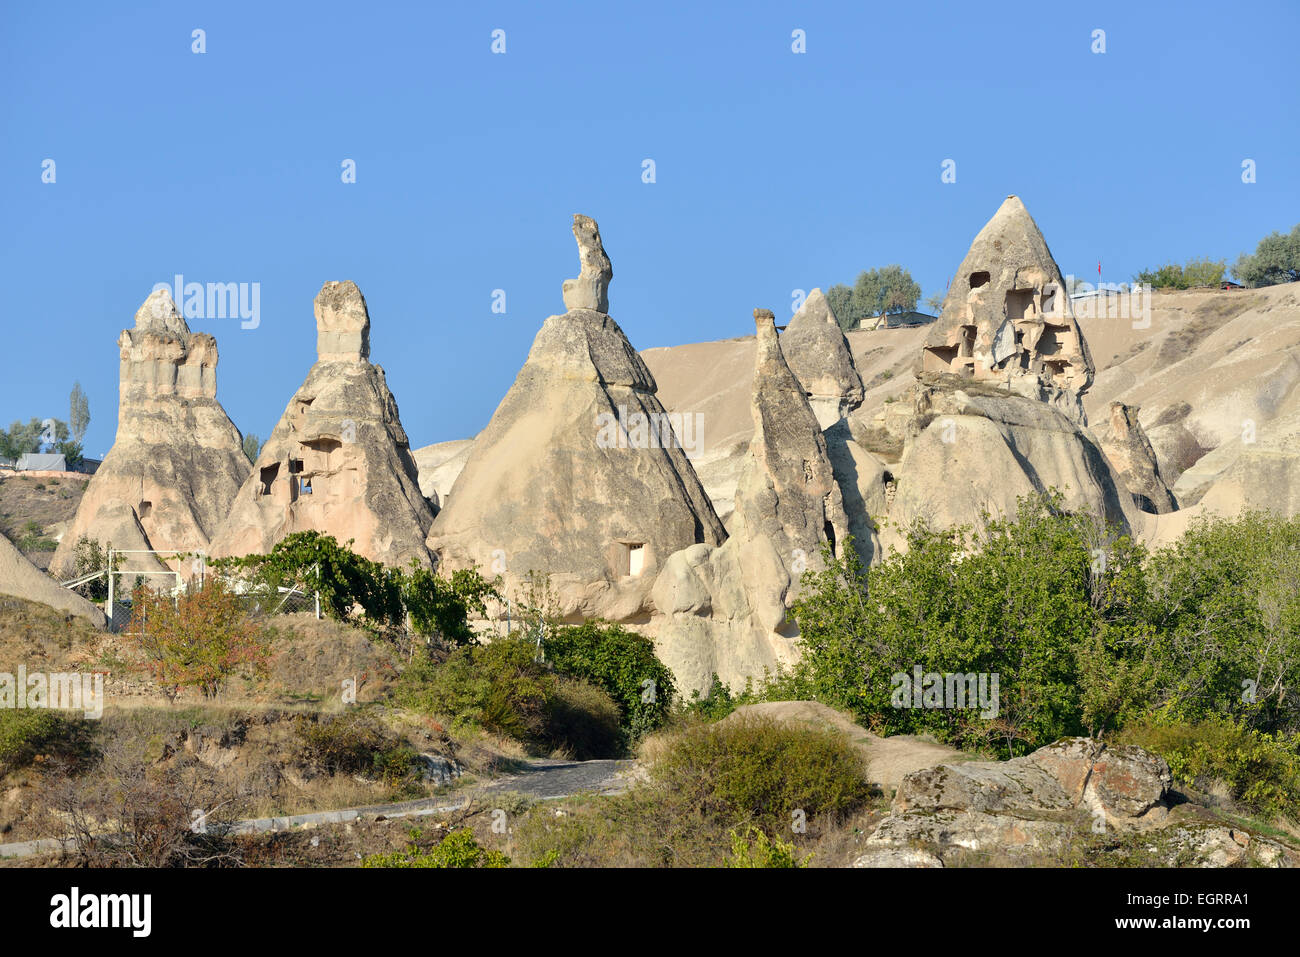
pixel 1213 373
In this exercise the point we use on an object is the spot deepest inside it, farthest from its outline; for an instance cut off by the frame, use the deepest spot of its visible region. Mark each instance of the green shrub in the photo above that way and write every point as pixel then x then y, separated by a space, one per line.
pixel 33 735
pixel 354 743
pixel 755 849
pixel 1261 771
pixel 457 849
pixel 503 688
pixel 583 720
pixel 620 661
pixel 762 772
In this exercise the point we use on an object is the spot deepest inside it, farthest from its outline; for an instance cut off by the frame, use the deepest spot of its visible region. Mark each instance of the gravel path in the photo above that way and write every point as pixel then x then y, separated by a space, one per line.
pixel 540 779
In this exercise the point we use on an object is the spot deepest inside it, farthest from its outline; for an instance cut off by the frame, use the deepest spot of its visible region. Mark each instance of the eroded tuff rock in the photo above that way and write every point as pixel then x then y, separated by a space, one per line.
pixel 338 461
pixel 1129 450
pixel 1035 807
pixel 580 474
pixel 725 610
pixel 21 578
pixel 1007 318
pixel 995 414
pixel 972 448
pixel 818 354
pixel 177 461
pixel 591 289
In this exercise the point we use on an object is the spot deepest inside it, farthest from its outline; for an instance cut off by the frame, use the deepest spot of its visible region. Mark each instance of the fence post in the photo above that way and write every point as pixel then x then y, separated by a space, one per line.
pixel 318 606
pixel 108 604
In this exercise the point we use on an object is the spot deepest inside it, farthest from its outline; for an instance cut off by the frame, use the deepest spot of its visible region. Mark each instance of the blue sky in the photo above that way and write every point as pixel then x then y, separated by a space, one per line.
pixel 774 170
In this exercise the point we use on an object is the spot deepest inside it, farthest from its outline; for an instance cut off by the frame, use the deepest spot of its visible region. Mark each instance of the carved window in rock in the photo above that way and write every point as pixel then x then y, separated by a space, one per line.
pixel 1020 304
pixel 144 509
pixel 978 279
pixel 267 478
pixel 628 558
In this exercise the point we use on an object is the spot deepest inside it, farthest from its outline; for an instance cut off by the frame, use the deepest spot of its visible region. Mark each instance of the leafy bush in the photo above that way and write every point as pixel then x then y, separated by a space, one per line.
pixel 441 606
pixel 1197 272
pixel 755 849
pixel 354 743
pixel 503 688
pixel 761 772
pixel 32 735
pixel 620 661
pixel 583 720
pixel 457 849
pixel 1262 771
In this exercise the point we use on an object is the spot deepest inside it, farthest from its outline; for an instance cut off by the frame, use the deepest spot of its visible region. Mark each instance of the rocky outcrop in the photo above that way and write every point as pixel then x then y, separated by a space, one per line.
pixel 581 474
pixel 1129 450
pixel 177 461
pixel 974 449
pixel 725 610
pixel 1007 319
pixel 818 354
pixel 21 578
pixel 1033 809
pixel 338 461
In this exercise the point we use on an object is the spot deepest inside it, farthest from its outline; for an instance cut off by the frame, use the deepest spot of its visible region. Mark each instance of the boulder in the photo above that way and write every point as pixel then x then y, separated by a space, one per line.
pixel 177 461
pixel 338 461
pixel 1037 803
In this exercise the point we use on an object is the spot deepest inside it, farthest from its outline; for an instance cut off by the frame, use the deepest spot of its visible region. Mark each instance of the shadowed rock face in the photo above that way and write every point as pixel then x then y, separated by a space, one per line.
pixel 178 460
pixel 1007 318
pixel 819 356
pixel 338 461
pixel 580 474
pixel 1127 447
pixel 724 610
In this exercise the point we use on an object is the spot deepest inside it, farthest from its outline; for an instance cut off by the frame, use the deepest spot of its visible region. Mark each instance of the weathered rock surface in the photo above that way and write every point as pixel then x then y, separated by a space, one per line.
pixel 725 610
pixel 591 289
pixel 974 448
pixel 818 354
pixel 1007 319
pixel 177 461
pixel 1039 805
pixel 580 474
pixel 21 578
pixel 338 461
pixel 1129 450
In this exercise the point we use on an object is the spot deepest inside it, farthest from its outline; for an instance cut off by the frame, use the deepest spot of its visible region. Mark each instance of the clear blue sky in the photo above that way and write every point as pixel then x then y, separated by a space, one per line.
pixel 775 171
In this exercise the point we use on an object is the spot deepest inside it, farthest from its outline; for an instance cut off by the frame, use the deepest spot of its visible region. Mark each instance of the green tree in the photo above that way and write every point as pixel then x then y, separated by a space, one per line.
pixel 78 413
pixel 1276 260
pixel 886 290
pixel 840 299
pixel 252 446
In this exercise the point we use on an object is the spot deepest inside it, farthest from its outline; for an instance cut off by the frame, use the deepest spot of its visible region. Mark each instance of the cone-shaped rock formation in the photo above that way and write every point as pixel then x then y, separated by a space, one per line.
pixel 338 461
pixel 581 474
